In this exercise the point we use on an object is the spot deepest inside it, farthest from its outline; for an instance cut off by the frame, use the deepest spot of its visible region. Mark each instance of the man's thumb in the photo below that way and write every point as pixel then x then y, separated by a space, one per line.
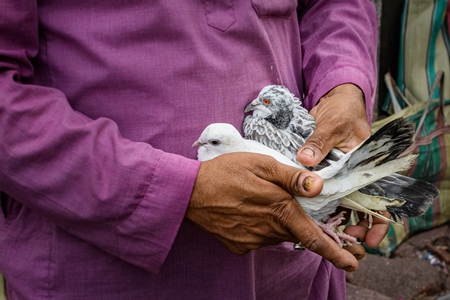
pixel 314 150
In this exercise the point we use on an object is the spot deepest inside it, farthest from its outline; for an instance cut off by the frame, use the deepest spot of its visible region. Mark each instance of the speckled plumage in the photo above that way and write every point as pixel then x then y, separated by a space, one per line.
pixel 280 122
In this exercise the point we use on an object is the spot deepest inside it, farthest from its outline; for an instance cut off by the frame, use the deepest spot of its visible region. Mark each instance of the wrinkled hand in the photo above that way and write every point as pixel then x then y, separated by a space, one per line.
pixel 342 123
pixel 245 200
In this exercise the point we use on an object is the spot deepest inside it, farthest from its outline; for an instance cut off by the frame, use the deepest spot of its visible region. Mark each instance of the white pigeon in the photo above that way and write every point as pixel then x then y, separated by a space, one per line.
pixel 374 159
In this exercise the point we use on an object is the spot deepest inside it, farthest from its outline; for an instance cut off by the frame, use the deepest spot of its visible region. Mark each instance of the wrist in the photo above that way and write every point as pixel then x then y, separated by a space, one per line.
pixel 353 95
pixel 348 89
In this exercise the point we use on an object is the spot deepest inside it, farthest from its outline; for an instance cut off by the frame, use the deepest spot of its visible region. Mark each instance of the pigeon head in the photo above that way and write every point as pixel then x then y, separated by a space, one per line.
pixel 275 104
pixel 217 139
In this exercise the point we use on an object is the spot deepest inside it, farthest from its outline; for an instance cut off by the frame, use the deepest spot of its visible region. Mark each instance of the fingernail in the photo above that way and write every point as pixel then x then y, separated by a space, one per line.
pixel 308 152
pixel 308 183
pixel 350 269
pixel 358 256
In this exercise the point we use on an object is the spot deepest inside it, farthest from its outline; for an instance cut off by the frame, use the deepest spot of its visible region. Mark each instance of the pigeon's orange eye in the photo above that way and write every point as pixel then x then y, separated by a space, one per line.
pixel 266 101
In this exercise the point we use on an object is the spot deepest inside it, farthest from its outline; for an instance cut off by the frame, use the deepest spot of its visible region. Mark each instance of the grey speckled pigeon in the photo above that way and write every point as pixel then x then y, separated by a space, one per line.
pixel 280 122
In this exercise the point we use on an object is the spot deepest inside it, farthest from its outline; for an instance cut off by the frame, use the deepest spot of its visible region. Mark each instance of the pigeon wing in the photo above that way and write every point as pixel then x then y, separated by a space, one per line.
pixel 260 130
pixel 302 123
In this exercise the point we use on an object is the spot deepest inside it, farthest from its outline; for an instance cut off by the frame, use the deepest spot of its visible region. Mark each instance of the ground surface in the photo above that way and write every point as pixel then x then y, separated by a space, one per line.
pixel 418 269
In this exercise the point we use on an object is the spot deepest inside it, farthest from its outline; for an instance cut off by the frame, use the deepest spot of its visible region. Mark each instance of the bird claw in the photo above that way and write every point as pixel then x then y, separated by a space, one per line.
pixel 369 219
pixel 331 227
pixel 336 220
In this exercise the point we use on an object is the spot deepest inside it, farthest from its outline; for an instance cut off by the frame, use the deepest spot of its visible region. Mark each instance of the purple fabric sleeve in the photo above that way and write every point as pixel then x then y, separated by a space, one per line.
pixel 126 197
pixel 337 49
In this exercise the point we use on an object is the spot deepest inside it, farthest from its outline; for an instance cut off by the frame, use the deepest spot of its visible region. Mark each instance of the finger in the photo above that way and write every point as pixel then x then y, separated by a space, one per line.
pixel 371 236
pixel 236 248
pixel 241 245
pixel 359 231
pixel 314 239
pixel 295 181
pixel 378 231
pixel 299 182
pixel 318 145
pixel 357 250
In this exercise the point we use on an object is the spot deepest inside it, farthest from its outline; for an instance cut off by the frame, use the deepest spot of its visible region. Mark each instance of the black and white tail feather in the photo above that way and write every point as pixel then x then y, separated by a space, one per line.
pixel 374 159
pixel 378 158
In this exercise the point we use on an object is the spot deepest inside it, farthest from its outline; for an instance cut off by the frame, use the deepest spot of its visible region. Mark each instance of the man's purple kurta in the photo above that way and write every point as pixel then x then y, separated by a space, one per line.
pixel 100 103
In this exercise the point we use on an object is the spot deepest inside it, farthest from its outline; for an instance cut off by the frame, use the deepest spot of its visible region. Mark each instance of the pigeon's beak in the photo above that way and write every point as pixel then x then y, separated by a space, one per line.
pixel 251 106
pixel 196 144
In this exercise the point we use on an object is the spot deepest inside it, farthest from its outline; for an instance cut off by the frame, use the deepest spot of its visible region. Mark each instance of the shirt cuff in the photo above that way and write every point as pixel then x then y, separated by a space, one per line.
pixel 146 237
pixel 341 76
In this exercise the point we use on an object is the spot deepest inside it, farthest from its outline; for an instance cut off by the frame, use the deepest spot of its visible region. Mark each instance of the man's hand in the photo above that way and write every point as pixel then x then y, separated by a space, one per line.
pixel 342 123
pixel 245 200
